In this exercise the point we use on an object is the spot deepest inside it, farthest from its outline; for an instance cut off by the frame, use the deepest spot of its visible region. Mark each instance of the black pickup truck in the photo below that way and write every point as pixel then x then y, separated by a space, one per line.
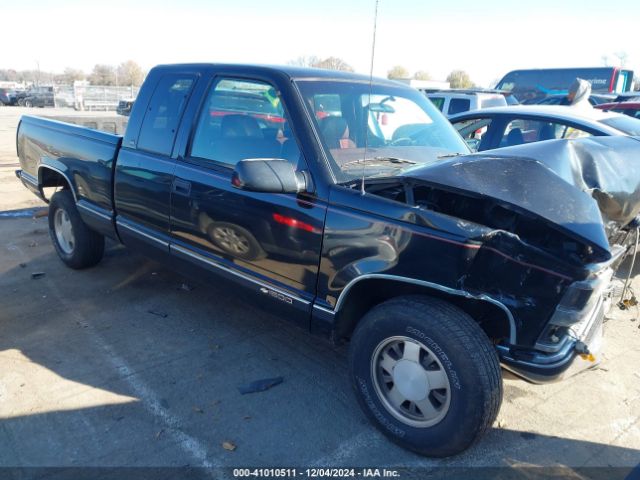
pixel 348 205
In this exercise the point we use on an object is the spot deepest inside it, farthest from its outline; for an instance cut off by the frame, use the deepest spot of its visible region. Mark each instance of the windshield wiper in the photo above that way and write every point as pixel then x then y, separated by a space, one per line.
pixel 393 160
pixel 450 155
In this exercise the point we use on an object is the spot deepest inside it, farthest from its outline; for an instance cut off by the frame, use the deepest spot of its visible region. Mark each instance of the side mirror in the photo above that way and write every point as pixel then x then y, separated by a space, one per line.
pixel 269 175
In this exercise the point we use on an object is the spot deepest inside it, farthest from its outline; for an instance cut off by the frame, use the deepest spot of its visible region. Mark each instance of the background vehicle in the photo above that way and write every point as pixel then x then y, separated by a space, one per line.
pixel 124 106
pixel 19 96
pixel 628 96
pixel 222 163
pixel 452 102
pixel 594 99
pixel 508 126
pixel 5 96
pixel 530 86
pixel 627 108
pixel 39 97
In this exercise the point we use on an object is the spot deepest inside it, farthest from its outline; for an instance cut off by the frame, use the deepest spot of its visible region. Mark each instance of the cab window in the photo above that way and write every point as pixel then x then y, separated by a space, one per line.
pixel 243 119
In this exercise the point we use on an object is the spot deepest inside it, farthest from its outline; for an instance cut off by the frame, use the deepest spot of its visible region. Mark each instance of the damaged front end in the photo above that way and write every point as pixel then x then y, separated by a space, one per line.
pixel 534 242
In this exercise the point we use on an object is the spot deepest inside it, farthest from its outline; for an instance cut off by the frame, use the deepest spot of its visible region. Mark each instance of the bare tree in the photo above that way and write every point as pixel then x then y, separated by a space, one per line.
pixel 103 75
pixel 9 75
pixel 422 75
pixel 70 75
pixel 304 61
pixel 333 63
pixel 329 63
pixel 622 58
pixel 130 73
pixel 34 77
pixel 460 79
pixel 397 72
pixel 605 60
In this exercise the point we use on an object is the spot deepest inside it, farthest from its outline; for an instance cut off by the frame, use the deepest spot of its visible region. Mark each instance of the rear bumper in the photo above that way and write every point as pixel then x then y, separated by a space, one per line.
pixel 576 355
pixel 31 183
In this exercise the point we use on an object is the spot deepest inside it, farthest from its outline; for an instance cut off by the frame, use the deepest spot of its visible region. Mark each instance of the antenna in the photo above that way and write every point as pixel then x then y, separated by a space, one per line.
pixel 366 136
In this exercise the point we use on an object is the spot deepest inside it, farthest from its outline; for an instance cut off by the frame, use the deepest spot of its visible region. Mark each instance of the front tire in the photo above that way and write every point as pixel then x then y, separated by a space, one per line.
pixel 28 103
pixel 76 244
pixel 425 374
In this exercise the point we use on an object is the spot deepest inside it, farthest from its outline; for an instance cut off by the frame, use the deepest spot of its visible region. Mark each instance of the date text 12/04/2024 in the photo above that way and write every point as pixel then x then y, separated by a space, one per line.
pixel 315 473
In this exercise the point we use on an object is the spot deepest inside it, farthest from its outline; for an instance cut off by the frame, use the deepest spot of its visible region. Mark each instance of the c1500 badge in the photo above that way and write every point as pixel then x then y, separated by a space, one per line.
pixel 277 295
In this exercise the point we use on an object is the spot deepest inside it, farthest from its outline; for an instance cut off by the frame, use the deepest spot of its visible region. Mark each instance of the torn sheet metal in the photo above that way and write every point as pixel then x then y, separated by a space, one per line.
pixel 607 168
pixel 524 185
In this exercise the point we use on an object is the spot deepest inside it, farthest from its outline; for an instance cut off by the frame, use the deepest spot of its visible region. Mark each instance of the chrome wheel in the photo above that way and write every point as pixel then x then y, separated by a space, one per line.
pixel 64 231
pixel 410 381
pixel 231 240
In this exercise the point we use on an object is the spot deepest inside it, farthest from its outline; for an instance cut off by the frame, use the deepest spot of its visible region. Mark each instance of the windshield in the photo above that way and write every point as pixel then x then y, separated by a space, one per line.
pixel 624 123
pixel 398 126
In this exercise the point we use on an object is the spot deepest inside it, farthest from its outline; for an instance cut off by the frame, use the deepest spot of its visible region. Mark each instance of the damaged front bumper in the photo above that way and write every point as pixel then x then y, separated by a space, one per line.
pixel 577 353
pixel 573 338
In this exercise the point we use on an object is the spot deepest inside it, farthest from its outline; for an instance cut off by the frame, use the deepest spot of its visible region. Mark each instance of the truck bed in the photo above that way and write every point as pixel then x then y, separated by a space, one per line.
pixel 50 150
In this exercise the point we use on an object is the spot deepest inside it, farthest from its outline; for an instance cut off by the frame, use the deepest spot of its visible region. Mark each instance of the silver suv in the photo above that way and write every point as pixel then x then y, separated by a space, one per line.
pixel 453 102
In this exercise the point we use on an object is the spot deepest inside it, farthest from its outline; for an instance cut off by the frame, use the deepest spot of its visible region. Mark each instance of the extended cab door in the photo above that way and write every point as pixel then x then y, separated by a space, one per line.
pixel 144 168
pixel 268 242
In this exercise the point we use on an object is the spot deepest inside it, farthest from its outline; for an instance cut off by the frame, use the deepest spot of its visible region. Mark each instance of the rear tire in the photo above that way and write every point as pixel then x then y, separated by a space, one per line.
pixel 76 244
pixel 28 103
pixel 425 374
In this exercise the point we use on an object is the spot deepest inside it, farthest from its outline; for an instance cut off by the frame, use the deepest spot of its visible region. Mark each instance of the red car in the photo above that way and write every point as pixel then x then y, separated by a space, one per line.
pixel 628 108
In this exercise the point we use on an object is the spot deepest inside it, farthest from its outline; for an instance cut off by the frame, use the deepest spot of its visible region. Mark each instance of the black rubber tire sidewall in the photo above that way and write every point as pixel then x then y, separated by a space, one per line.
pixel 89 245
pixel 470 412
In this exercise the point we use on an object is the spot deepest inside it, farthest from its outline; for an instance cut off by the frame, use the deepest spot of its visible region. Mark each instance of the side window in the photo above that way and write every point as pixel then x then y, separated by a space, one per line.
pixel 473 131
pixel 438 102
pixel 567 131
pixel 521 131
pixel 161 120
pixel 243 119
pixel 459 105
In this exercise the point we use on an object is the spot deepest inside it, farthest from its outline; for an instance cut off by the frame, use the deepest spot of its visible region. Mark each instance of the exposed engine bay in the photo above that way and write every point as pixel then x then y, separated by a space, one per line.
pixel 575 200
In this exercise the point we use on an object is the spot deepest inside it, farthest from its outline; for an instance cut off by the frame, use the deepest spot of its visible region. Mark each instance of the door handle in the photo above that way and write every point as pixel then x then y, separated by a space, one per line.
pixel 181 186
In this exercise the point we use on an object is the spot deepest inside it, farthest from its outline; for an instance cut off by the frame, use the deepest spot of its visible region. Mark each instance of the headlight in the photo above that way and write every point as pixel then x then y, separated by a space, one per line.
pixel 580 299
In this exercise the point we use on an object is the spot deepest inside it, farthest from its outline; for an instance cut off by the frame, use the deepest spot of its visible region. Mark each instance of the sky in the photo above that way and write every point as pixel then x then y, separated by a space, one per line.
pixel 487 38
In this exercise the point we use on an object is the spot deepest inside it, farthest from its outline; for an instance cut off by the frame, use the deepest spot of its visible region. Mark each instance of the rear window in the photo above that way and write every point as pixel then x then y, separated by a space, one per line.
pixel 624 123
pixel 458 105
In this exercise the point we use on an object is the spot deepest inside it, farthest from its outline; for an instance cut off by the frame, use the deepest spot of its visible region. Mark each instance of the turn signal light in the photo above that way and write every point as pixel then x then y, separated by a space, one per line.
pixel 588 356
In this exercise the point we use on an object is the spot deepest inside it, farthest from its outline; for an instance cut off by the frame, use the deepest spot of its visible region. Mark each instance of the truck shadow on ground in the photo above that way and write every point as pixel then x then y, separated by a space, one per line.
pixel 130 364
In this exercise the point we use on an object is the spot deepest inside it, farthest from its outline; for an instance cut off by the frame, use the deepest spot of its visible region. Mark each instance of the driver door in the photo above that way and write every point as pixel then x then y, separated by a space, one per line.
pixel 268 242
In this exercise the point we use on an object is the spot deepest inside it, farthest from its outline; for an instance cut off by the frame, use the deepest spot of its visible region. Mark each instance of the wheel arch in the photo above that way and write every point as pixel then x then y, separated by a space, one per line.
pixel 364 292
pixel 50 176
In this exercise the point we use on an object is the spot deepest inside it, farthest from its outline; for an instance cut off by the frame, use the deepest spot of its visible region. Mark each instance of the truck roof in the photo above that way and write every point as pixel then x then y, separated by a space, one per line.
pixel 288 70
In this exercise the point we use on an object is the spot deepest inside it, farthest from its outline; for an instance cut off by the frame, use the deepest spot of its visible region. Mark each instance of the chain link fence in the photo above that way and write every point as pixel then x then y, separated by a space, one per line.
pixel 93 97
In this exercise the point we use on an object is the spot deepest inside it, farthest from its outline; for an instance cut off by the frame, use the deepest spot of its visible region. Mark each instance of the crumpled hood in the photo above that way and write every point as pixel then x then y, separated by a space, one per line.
pixel 522 184
pixel 606 168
